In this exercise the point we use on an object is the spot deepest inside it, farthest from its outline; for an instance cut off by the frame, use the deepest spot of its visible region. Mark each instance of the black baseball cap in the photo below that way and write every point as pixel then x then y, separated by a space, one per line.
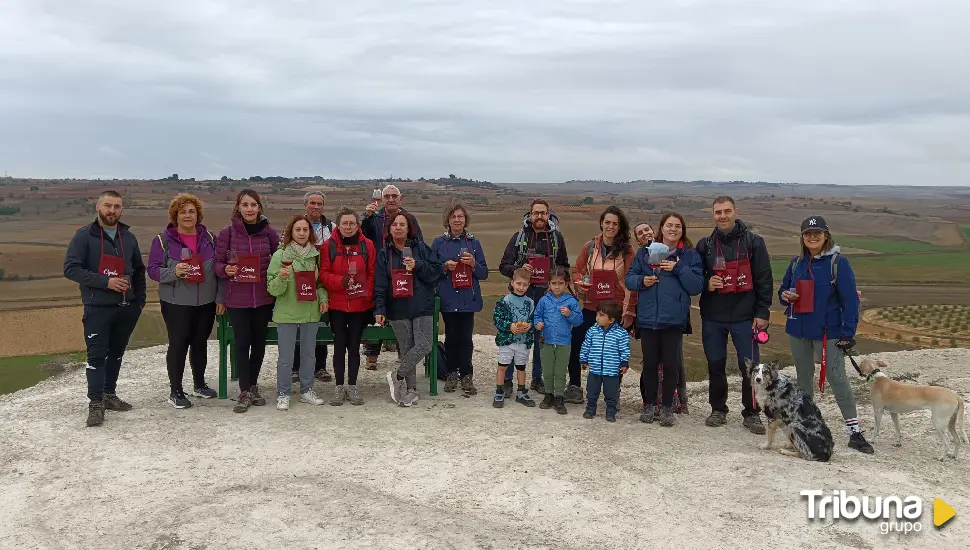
pixel 814 223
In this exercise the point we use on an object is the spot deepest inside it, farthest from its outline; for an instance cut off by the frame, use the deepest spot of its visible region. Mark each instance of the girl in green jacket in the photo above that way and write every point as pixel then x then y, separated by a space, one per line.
pixel 300 300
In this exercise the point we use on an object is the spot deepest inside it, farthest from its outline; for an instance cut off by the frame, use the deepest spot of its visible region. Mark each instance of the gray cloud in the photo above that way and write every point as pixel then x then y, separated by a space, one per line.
pixel 494 89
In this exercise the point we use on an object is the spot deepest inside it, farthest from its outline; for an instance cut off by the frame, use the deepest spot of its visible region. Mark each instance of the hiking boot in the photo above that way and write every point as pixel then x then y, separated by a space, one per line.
pixel 397 387
pixel 610 416
pixel 683 406
pixel 243 402
pixel 410 398
pixel 538 386
pixel 468 385
pixel 507 389
pixel 667 417
pixel 178 400
pixel 338 396
pixel 283 402
pixel 371 362
pixel 95 413
pixel 754 425
pixel 590 412
pixel 717 418
pixel 574 395
pixel 859 443
pixel 354 396
pixel 451 383
pixel 647 415
pixel 258 400
pixel 310 397
pixel 547 401
pixel 114 403
pixel 498 401
pixel 205 392
pixel 323 376
pixel 524 398
pixel 560 405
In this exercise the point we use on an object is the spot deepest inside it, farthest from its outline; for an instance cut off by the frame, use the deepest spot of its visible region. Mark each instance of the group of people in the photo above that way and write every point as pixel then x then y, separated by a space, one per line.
pixel 376 268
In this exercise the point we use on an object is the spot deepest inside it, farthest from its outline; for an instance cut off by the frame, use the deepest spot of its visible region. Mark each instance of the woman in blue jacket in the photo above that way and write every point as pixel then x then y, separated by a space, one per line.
pixel 825 307
pixel 463 266
pixel 664 291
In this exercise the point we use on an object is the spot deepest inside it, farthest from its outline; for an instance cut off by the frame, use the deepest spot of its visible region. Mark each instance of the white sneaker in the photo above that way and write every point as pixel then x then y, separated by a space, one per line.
pixel 283 403
pixel 394 387
pixel 410 398
pixel 310 397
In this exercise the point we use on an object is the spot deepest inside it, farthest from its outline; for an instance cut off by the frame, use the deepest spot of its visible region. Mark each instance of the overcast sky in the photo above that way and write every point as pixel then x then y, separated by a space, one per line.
pixel 819 91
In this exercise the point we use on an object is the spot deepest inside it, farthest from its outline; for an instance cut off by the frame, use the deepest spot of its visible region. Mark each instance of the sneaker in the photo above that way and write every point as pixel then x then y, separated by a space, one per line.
pixel 560 405
pixel 647 416
pixel 716 419
pixel 667 417
pixel 538 386
pixel 205 392
pixel 498 401
pixel 243 402
pixel 754 425
pixel 683 406
pixel 323 376
pixel 547 401
pixel 524 398
pixel 283 402
pixel 398 388
pixel 338 396
pixel 574 394
pixel 371 363
pixel 311 398
pixel 859 443
pixel 258 400
pixel 114 403
pixel 410 398
pixel 507 389
pixel 451 383
pixel 468 385
pixel 611 416
pixel 354 396
pixel 178 400
pixel 95 413
pixel 589 413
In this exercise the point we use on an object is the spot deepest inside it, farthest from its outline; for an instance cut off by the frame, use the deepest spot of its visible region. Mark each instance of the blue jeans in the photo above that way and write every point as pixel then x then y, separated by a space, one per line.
pixel 611 391
pixel 714 335
pixel 536 365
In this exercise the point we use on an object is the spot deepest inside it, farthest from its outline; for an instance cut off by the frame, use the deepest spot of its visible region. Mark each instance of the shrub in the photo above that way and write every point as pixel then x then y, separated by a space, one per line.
pixel 935 342
pixel 899 336
pixel 881 334
pixel 953 342
pixel 916 339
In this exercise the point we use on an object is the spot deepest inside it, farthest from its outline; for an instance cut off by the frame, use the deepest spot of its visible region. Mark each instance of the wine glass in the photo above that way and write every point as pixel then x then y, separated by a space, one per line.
pixel 462 252
pixel 791 303
pixel 406 253
pixel 720 264
pixel 352 270
pixel 287 263
pixel 376 196
pixel 232 259
pixel 124 294
pixel 186 253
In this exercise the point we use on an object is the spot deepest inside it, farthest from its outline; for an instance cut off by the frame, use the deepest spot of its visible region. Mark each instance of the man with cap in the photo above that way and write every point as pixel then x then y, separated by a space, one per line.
pixel 313 201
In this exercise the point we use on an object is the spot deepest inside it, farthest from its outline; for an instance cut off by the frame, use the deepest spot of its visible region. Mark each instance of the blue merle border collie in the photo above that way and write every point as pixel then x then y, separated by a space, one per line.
pixel 787 406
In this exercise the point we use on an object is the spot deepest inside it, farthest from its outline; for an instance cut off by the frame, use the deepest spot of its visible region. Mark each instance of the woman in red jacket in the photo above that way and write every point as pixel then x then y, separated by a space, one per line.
pixel 347 263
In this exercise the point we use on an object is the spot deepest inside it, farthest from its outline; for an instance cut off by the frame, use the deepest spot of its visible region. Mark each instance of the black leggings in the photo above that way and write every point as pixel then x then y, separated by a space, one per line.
pixel 188 332
pixel 459 327
pixel 347 329
pixel 249 331
pixel 660 346
pixel 579 336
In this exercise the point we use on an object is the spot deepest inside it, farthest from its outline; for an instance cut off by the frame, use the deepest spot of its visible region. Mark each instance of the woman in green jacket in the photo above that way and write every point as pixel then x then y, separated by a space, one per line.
pixel 292 278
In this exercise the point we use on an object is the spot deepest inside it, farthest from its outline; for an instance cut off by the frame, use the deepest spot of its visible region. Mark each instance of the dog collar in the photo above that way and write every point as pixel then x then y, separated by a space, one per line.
pixel 871 374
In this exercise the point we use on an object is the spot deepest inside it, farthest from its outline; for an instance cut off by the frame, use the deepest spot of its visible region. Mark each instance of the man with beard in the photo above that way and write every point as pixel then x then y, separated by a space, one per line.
pixel 322 228
pixel 104 260
pixel 735 301
pixel 537 246
pixel 374 226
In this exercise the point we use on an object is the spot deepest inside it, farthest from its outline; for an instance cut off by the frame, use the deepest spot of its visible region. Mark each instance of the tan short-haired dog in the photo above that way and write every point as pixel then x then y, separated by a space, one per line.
pixel 896 397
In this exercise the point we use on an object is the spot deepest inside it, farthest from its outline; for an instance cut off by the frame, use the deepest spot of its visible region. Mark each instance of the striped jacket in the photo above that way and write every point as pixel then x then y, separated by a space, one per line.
pixel 606 351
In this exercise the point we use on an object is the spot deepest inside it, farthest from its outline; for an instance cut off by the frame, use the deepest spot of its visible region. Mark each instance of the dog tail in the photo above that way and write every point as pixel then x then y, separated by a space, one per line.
pixel 961 426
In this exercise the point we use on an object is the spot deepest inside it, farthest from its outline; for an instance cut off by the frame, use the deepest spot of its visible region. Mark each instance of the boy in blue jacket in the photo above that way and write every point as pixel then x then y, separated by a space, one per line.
pixel 606 354
pixel 556 314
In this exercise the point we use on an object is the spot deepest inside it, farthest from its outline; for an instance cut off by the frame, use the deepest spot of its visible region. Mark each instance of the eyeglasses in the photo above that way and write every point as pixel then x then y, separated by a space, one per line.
pixel 540 214
pixel 813 234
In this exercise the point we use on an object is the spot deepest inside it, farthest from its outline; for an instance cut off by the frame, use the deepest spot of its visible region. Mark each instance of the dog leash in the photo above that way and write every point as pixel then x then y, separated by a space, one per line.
pixel 821 372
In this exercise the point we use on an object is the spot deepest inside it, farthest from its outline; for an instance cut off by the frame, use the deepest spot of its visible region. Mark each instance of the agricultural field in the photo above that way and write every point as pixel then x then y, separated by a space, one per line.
pixel 937 325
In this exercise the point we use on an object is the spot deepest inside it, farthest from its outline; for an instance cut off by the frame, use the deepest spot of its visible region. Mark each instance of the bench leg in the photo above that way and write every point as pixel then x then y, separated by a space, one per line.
pixel 223 373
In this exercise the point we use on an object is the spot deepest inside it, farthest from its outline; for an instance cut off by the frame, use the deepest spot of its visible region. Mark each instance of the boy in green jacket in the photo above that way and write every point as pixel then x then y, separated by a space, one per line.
pixel 513 317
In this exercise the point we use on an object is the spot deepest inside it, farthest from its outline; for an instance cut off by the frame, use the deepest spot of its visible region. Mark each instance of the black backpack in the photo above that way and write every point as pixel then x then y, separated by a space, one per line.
pixel 332 249
pixel 442 365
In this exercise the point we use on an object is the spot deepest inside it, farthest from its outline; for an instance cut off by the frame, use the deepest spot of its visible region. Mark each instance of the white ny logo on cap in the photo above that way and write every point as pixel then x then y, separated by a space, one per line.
pixel 812 221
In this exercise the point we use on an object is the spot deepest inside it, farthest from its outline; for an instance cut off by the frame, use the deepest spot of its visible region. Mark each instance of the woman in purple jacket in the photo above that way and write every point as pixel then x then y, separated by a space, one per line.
pixel 243 251
pixel 182 262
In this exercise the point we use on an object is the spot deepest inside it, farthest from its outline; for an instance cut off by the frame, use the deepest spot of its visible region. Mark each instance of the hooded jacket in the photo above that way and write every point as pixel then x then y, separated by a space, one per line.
pixel 557 329
pixel 332 272
pixel 548 243
pixel 84 255
pixel 262 243
pixel 426 272
pixel 288 308
pixel 464 300
pixel 591 258
pixel 836 308
pixel 606 351
pixel 736 306
pixel 163 258
pixel 666 304
pixel 375 227
pixel 505 314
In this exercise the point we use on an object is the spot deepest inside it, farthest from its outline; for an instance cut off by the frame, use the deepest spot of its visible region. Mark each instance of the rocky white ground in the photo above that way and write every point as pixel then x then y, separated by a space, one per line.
pixel 450 473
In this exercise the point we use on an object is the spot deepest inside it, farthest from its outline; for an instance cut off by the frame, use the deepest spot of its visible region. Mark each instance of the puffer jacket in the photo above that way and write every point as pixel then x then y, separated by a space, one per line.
pixel 84 256
pixel 263 243
pixel 590 258
pixel 666 304
pixel 332 272
pixel 606 351
pixel 836 308
pixel 426 272
pixel 166 253
pixel 288 308
pixel 557 329
pixel 465 300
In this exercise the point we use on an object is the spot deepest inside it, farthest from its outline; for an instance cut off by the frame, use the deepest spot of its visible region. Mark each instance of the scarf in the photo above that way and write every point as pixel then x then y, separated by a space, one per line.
pixel 301 251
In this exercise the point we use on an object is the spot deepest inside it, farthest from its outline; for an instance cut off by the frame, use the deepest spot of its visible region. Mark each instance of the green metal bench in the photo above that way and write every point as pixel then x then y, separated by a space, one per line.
pixel 373 333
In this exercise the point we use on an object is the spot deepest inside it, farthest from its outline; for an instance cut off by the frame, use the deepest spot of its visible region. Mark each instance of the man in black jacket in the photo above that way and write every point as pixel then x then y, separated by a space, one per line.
pixel 735 301
pixel 540 235
pixel 105 261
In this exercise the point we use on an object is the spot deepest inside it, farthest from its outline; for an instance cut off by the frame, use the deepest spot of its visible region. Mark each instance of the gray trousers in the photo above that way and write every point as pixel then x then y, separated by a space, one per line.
pixel 284 366
pixel 805 352
pixel 414 343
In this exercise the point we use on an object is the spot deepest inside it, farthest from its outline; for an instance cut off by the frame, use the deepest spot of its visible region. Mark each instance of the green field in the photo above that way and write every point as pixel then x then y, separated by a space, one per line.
pixel 17 373
pixel 966 231
pixel 935 267
pixel 891 246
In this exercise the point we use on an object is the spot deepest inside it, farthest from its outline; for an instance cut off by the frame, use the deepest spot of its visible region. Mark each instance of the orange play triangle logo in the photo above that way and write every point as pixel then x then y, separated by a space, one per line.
pixel 942 512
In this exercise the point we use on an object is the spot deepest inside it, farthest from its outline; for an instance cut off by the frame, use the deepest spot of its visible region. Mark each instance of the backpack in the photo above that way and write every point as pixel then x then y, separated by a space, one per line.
pixel 522 245
pixel 332 251
pixel 442 365
pixel 161 241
